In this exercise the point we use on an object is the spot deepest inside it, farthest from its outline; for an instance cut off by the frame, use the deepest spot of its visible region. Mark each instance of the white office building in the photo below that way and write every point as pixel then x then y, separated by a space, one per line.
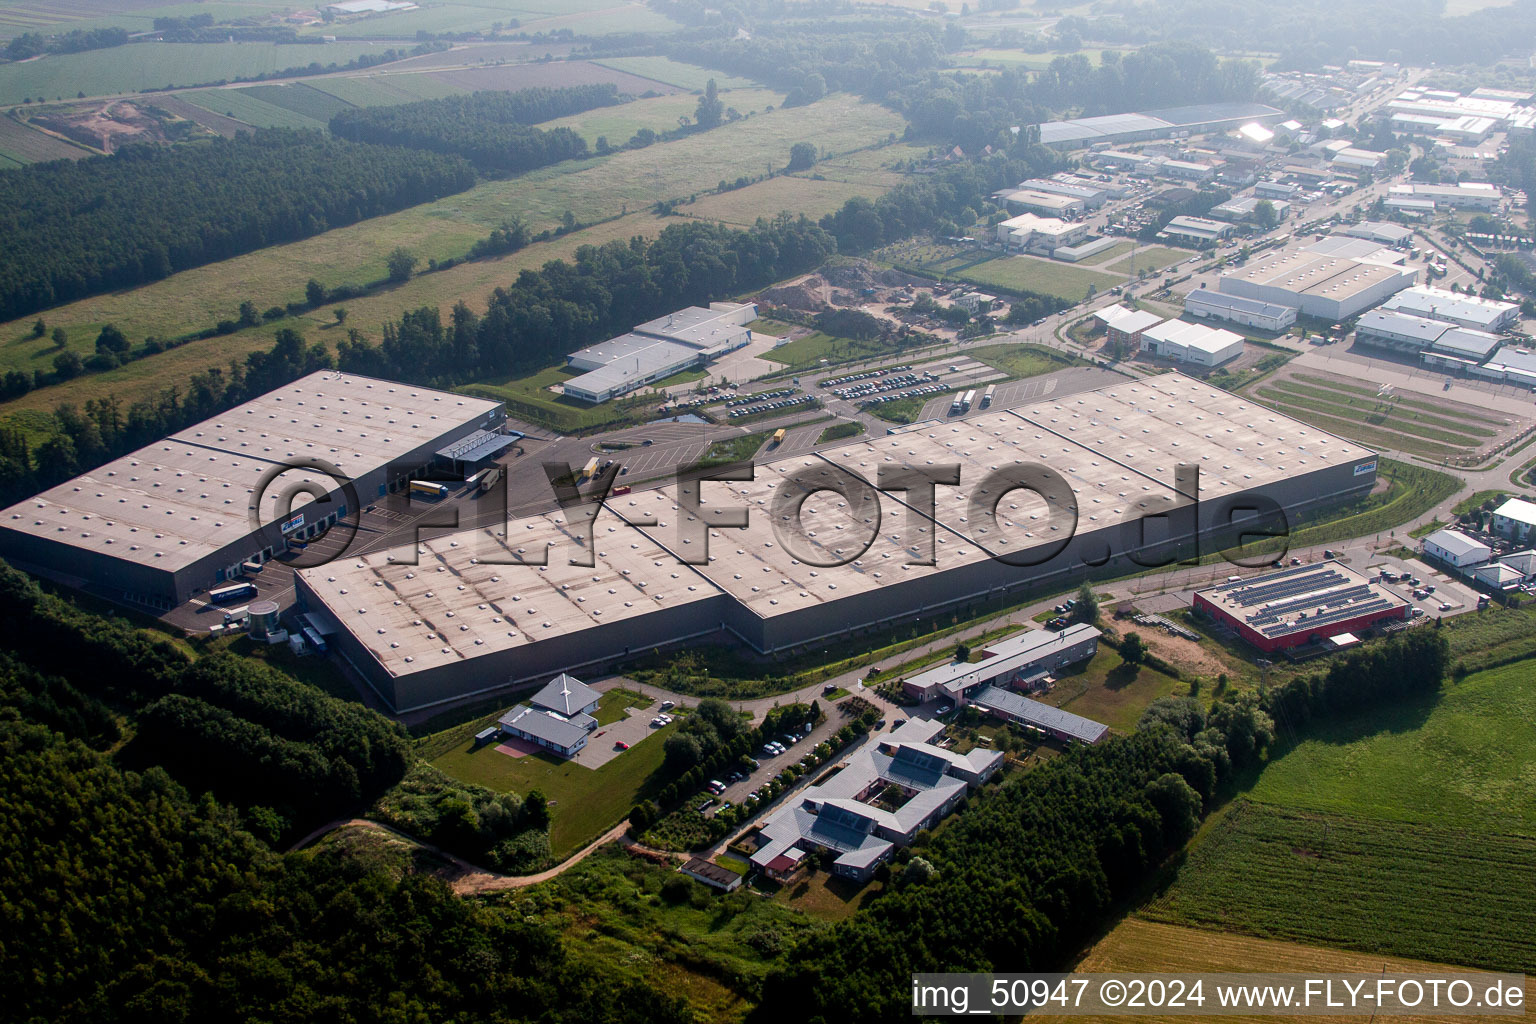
pixel 1266 316
pixel 1191 343
pixel 1456 549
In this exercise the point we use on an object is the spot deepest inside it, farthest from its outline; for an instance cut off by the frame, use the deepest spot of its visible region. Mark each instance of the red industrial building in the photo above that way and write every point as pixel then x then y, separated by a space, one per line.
pixel 1301 605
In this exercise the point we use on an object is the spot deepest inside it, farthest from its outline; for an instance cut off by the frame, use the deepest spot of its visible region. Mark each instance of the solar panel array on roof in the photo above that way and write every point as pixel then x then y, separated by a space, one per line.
pixel 1301 599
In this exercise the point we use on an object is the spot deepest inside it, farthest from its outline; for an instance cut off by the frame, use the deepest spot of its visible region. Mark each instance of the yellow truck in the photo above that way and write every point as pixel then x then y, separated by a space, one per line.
pixel 778 438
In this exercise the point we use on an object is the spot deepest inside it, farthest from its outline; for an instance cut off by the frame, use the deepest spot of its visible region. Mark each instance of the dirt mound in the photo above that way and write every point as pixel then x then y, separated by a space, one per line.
pixel 806 294
pixel 853 274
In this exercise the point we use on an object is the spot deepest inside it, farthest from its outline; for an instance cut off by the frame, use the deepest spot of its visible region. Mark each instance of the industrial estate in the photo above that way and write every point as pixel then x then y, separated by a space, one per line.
pixel 686 514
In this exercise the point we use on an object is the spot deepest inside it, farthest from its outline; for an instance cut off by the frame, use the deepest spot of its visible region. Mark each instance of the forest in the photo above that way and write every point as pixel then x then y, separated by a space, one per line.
pixel 74 229
pixel 489 129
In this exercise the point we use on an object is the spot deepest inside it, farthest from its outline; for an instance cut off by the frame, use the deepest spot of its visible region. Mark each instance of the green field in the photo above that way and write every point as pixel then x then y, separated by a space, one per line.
pixel 301 99
pixel 1376 831
pixel 1154 257
pixel 1112 253
pixel 674 73
pixel 140 66
pixel 384 90
pixel 1492 637
pixel 1021 360
pixel 528 398
pixel 807 353
pixel 1106 690
pixel 1476 500
pixel 1389 433
pixel 658 113
pixel 583 801
pixel 1397 416
pixel 901 411
pixel 1465 761
pixel 1044 277
pixel 593 189
pixel 1422 891
pixel 245 105
pixel 611 705
pixel 743 206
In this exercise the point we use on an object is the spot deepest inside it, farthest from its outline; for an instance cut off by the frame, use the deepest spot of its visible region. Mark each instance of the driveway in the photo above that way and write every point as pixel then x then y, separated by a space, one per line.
pixel 601 748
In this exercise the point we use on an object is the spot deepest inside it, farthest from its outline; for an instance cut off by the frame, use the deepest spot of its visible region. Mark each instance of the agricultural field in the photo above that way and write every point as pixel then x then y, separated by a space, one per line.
pixel 301 99
pixel 658 113
pixel 17 16
pixel 23 144
pixel 1360 883
pixel 674 73
pixel 474 16
pixel 139 66
pixel 1375 832
pixel 143 378
pixel 1044 277
pixel 1466 761
pixel 552 74
pixel 197 299
pixel 1137 946
pixel 244 105
pixel 364 90
pixel 583 801
pixel 742 207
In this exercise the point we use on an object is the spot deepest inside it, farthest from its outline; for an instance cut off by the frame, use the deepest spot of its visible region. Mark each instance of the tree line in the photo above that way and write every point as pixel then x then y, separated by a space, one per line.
pixel 35 44
pixel 1035 866
pixel 492 130
pixel 77 228
pixel 548 313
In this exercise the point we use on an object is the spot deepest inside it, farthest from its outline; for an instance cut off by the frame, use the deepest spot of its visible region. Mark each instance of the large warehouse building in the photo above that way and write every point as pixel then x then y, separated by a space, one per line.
pixel 1334 284
pixel 174 518
pixel 1167 123
pixel 460 623
pixel 1301 605
pixel 658 349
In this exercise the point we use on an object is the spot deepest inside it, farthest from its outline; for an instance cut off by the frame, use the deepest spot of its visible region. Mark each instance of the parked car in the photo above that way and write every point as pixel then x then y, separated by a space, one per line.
pixel 620 745
pixel 1445 606
pixel 668 705
pixel 716 786
pixel 945 709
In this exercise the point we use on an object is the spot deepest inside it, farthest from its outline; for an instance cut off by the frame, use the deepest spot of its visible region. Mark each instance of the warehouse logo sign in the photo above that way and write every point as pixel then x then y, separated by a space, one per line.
pixel 1365 467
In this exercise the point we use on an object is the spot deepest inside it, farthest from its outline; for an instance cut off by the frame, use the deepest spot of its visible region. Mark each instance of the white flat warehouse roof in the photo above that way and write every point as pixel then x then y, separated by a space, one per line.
pixel 180 499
